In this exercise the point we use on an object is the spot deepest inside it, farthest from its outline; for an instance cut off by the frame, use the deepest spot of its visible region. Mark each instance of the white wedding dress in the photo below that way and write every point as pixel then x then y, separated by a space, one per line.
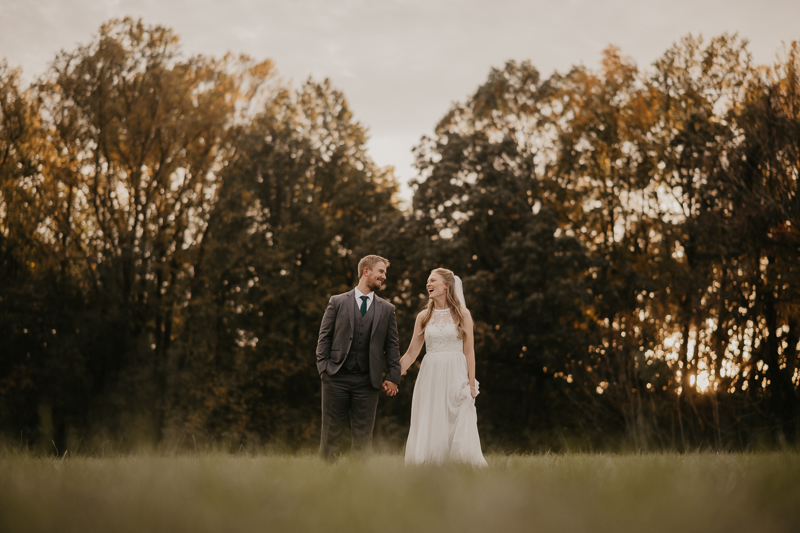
pixel 444 424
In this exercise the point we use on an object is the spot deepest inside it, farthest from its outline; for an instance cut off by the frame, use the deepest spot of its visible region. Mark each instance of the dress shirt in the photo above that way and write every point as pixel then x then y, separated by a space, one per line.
pixel 359 294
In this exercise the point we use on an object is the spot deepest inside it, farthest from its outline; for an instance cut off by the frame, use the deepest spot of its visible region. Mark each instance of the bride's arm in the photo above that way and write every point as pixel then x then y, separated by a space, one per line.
pixel 469 350
pixel 417 340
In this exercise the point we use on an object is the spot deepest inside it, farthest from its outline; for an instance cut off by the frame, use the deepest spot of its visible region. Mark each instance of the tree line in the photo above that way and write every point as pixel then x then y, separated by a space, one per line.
pixel 171 229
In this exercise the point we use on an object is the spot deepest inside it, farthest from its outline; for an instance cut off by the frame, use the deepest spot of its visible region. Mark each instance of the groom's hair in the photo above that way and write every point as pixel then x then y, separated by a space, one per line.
pixel 369 262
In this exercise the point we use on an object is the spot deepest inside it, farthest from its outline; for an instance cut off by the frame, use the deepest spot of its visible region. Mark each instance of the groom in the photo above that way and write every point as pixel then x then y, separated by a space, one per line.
pixel 357 336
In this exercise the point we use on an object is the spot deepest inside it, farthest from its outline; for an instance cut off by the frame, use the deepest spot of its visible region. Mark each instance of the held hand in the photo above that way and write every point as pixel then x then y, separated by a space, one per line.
pixel 390 388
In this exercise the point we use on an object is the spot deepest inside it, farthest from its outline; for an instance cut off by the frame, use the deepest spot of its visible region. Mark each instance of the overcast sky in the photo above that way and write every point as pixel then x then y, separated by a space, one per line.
pixel 401 63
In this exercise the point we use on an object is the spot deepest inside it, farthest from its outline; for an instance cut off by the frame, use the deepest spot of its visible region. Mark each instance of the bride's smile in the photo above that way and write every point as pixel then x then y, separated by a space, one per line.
pixel 436 287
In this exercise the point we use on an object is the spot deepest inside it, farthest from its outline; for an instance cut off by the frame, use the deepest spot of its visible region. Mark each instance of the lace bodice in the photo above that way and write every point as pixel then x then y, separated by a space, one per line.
pixel 441 334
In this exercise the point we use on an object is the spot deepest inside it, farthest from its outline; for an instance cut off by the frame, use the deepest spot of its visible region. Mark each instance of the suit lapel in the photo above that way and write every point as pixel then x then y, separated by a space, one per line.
pixel 378 312
pixel 350 308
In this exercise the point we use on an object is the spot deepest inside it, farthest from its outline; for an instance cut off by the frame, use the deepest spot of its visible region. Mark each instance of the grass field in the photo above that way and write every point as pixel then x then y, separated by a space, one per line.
pixel 542 493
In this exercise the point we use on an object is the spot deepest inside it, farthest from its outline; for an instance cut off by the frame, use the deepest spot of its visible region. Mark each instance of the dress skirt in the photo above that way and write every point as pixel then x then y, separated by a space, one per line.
pixel 444 423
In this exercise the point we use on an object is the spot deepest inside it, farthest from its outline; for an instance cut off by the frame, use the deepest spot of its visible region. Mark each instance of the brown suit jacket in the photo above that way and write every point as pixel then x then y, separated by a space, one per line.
pixel 336 336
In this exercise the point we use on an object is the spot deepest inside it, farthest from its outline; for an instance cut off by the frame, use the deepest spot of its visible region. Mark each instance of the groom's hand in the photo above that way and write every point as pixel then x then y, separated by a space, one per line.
pixel 390 388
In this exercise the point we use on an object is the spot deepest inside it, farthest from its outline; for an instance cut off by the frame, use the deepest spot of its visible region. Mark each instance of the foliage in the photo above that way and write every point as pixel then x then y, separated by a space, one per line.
pixel 629 244
pixel 160 216
pixel 171 229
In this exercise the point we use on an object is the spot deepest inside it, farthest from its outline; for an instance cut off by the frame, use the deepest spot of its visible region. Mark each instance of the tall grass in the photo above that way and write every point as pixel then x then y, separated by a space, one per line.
pixel 544 493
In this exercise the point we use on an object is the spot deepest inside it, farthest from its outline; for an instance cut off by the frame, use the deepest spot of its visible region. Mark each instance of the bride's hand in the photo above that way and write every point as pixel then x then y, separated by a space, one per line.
pixel 474 392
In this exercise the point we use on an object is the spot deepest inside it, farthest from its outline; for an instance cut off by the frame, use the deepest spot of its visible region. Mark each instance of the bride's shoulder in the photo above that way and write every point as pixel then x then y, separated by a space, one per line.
pixel 465 313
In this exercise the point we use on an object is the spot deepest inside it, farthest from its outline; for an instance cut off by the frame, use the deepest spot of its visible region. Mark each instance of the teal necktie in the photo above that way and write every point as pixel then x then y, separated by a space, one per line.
pixel 364 305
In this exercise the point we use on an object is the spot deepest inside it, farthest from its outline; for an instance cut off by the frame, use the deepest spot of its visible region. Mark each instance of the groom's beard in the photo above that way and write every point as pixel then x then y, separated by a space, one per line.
pixel 376 285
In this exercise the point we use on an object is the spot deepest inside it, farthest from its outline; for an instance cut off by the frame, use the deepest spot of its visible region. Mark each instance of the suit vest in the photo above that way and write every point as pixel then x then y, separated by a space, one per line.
pixel 362 333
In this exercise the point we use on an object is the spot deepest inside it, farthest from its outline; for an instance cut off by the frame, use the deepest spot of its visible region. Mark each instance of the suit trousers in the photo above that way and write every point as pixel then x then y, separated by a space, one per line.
pixel 347 395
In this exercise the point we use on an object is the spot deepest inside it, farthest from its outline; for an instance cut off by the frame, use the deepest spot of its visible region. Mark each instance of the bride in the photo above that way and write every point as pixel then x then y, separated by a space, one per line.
pixel 444 424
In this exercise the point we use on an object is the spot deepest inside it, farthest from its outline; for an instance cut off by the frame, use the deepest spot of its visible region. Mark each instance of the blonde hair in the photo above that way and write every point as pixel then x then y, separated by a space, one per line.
pixel 452 302
pixel 369 262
